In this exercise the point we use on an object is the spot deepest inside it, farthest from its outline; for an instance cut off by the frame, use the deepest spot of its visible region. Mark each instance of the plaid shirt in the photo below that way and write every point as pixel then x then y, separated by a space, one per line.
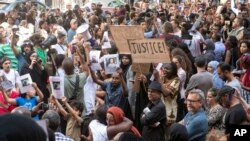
pixel 60 137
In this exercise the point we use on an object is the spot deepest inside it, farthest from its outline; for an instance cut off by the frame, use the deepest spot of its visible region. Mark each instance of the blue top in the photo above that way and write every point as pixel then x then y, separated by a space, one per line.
pixel 28 103
pixel 197 125
pixel 70 35
pixel 113 94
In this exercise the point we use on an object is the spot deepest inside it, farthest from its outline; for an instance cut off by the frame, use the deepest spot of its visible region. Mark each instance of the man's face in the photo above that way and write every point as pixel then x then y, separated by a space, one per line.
pixel 26 49
pixel 194 102
pixel 116 79
pixel 144 25
pixel 153 95
pixel 6 65
pixel 222 74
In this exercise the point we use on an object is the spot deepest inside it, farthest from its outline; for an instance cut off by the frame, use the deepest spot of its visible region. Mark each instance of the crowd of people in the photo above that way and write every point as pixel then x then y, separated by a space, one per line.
pixel 195 97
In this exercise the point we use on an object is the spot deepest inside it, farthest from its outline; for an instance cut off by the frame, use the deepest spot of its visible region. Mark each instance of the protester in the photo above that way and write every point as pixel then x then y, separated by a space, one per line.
pixel 73 117
pixel 212 68
pixel 28 100
pixel 154 115
pixel 215 112
pixel 202 79
pixel 227 99
pixel 54 123
pixel 195 120
pixel 194 35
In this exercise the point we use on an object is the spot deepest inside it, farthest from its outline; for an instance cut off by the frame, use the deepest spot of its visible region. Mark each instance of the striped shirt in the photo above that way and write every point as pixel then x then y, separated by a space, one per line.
pixel 6 51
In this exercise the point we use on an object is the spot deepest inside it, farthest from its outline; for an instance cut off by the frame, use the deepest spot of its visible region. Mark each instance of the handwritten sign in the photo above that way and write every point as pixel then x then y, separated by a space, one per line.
pixel 123 33
pixel 149 51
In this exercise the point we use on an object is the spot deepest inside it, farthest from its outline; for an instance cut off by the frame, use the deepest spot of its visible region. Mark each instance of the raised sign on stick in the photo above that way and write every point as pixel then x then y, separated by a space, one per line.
pixel 123 33
pixel 149 51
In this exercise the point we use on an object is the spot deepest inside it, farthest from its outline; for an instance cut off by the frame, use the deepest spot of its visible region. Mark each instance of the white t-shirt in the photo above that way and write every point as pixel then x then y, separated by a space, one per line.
pixel 12 76
pixel 61 49
pixel 90 89
pixel 99 131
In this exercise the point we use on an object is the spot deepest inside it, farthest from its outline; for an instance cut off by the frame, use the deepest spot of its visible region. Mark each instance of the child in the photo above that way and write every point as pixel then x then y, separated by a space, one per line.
pixel 28 99
pixel 73 118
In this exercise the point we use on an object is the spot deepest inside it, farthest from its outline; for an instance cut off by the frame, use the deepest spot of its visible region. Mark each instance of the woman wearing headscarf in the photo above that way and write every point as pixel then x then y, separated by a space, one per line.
pixel 217 81
pixel 208 50
pixel 115 115
pixel 128 75
pixel 37 72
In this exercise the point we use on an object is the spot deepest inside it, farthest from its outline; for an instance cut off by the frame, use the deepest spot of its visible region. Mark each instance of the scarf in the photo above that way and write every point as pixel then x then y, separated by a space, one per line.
pixel 118 115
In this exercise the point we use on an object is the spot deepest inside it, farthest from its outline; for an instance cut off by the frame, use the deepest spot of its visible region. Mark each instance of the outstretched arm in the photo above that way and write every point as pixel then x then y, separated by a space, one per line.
pixel 9 100
pixel 38 91
pixel 13 44
pixel 72 111
pixel 60 108
pixel 95 79
pixel 124 85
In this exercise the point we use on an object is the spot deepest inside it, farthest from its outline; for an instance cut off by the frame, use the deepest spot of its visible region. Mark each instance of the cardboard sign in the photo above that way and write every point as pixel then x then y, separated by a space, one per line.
pixel 149 51
pixel 123 33
pixel 141 68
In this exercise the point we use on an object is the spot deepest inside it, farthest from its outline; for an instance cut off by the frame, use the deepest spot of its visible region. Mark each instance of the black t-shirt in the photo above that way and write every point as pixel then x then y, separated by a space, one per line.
pixel 234 116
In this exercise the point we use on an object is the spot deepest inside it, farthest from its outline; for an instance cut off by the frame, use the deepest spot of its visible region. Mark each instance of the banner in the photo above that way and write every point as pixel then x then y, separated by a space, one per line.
pixel 122 34
pixel 149 51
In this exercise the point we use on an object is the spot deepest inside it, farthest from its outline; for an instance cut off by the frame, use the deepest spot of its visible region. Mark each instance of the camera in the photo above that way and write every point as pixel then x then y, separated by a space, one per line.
pixel 44 106
pixel 39 61
pixel 51 40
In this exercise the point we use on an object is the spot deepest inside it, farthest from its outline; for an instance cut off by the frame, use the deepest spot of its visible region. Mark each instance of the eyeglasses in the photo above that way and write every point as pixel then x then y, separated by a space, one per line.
pixel 192 101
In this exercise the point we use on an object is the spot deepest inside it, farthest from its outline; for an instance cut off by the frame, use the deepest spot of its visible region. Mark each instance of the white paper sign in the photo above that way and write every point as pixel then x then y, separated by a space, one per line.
pixel 95 59
pixel 158 68
pixel 105 40
pixel 57 86
pixel 111 63
pixel 25 83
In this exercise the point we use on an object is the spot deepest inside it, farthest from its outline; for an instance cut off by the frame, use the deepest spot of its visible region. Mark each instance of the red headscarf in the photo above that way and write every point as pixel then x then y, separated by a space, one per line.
pixel 118 115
